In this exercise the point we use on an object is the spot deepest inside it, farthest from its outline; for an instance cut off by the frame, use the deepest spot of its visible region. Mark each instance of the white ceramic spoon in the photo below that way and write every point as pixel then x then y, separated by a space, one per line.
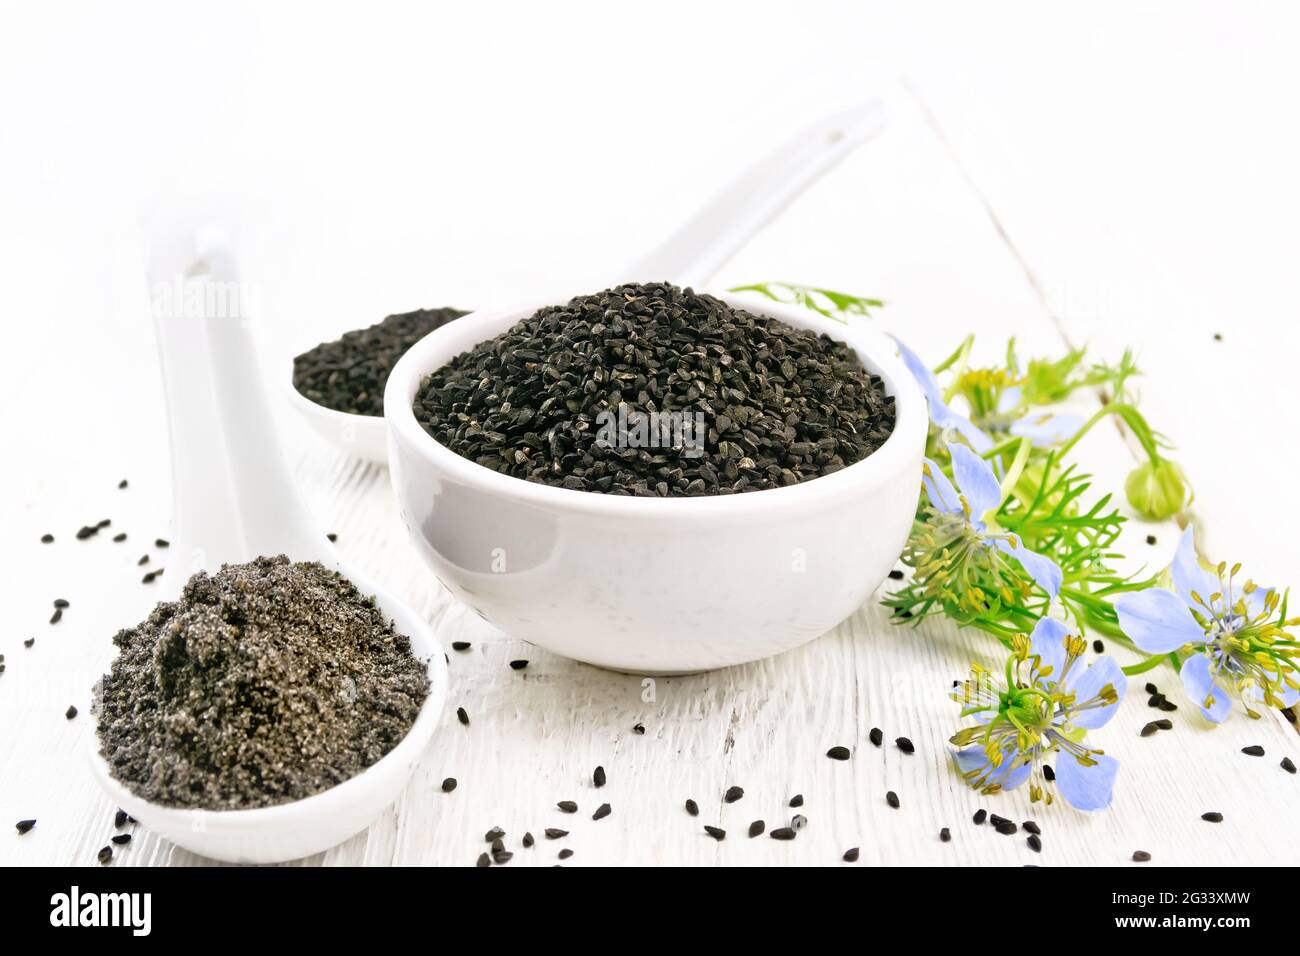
pixel 234 501
pixel 691 256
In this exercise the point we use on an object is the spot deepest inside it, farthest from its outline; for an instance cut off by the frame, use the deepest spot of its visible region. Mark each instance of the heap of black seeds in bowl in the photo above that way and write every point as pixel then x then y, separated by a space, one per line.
pixel 266 682
pixel 349 374
pixel 653 390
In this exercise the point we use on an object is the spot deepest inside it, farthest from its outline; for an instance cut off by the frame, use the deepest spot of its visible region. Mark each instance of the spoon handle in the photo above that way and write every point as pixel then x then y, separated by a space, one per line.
pixel 697 250
pixel 233 498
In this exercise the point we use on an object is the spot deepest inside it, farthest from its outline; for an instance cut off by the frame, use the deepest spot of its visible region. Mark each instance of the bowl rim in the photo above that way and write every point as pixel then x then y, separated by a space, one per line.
pixel 876 349
pixel 329 801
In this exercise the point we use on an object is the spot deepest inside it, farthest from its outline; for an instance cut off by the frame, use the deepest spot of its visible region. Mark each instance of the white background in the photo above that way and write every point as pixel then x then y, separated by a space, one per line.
pixel 1109 174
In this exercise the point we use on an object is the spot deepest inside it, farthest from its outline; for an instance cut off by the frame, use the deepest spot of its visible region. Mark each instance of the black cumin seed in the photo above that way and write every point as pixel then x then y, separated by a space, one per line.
pixel 692 808
pixel 756 828
pixel 22 826
pixel 896 575
pixel 995 819
pixel 149 577
pixel 905 745
pixel 796 800
pixel 1155 699
pixel 1048 773
pixel 1149 728
pixel 161 543
pixel 483 860
pixel 798 821
pixel 1212 817
pixel 57 616
pixel 104 524
pixel 502 857
pixel 1254 750
pixel 496 833
pixel 61 602
pixel 565 853
pixel 70 712
pixel 1098 647
pixel 144 559
pixel 851 855
pixel 497 846
pixel 945 835
pixel 716 832
pixel 891 798
pixel 518 665
pixel 47 539
pixel 1168 706
pixel 120 537
pixel 838 753
pixel 122 483
pixel 119 819
pixel 638 728
pixel 29 642
pixel 1164 723
pixel 86 531
pixel 1218 336
pixel 876 736
pixel 555 833
pixel 122 839
pixel 460 645
pixel 1141 856
pixel 528 840
pixel 602 811
pixel 1032 827
pixel 1151 539
pixel 462 716
pixel 1288 765
pixel 733 794
pixel 567 806
pixel 1152 688
pixel 106 855
pixel 980 815
pixel 1035 843
pixel 332 537
pixel 783 833
pixel 598 776
pixel 1007 827
pixel 449 785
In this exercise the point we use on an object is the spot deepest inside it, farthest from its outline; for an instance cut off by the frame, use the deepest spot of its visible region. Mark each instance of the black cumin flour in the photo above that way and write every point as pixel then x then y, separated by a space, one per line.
pixel 777 405
pixel 266 682
pixel 349 374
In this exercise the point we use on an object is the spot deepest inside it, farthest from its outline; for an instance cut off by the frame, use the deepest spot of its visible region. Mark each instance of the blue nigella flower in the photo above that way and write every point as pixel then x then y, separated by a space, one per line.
pixel 1042 710
pixel 1232 633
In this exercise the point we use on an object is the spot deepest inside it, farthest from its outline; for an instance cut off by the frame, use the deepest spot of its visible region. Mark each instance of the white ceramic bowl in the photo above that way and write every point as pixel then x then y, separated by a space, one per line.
pixel 290 831
pixel 364 436
pixel 647 585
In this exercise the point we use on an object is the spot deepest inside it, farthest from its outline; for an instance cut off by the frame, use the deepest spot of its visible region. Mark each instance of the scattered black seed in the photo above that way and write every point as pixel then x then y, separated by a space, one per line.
pixel 29 642
pixel 851 855
pixel 57 616
pixel 1035 842
pixel 1152 688
pixel 905 745
pixel 995 819
pixel 122 483
pixel 1149 728
pixel 796 800
pixel 1254 750
pixel 518 665
pixel 449 785
pixel 1155 699
pixel 716 832
pixel 1218 336
pixel 733 794
pixel 47 539
pixel 460 645
pixel 144 559
pixel 528 841
pixel 781 405
pixel 555 833
pixel 483 860
pixel 638 728
pixel 1032 827
pixel 2 668
pixel 598 776
pixel 891 798
pixel 121 839
pixel 1168 706
pixel 756 828
pixel 1098 647
pixel 150 577
pixel 980 815
pixel 896 575
pixel 1048 773
pixel 119 819
pixel 1288 765
pixel 692 808
pixel 945 835
pixel 501 856
pixel 876 736
pixel 22 826
pixel 496 833
pixel 602 811
pixel 462 716
pixel 1151 539
pixel 86 531
pixel 567 806
pixel 1141 856
pixel 70 712
pixel 565 853
pixel 106 855
pixel 61 602
pixel 1212 817
pixel 103 524
pixel 798 821
pixel 783 833
pixel 120 537
pixel 1007 827
pixel 161 543
pixel 332 537
pixel 1164 723
pixel 838 753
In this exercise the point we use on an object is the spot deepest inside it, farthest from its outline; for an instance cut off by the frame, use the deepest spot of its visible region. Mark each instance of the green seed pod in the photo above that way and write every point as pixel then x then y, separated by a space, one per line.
pixel 1158 490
